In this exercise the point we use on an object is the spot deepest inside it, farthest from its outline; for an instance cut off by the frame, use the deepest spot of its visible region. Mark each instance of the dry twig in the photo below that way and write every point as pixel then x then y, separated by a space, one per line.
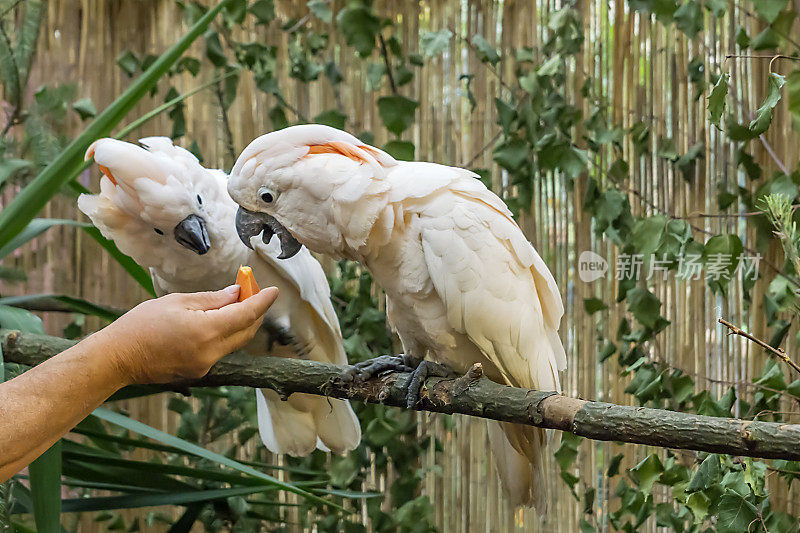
pixel 778 352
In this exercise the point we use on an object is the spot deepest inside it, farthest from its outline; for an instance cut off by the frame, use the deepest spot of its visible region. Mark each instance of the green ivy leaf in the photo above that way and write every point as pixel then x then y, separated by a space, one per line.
pixel 506 114
pixel 263 11
pixel 486 52
pixel 85 108
pixel 769 9
pixel 572 161
pixel 647 234
pixel 402 150
pixel 434 43
pixel 397 112
pixel 779 184
pixel 128 62
pixel 768 39
pixel 735 514
pixel 721 255
pixel 716 101
pixel 375 75
pixel 686 163
pixel 754 476
pixel 613 465
pixel 593 305
pixel 748 163
pixel 742 39
pixel 321 10
pixel 236 11
pixel 214 49
pixel 360 27
pixel 568 451
pixel 333 118
pixel 699 504
pixel 647 472
pixel 645 306
pixel 689 18
pixel 764 114
pixel 708 474
pixel 512 154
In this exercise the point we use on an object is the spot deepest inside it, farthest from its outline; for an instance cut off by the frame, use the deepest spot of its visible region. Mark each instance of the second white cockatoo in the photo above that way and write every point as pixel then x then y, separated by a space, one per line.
pixel 173 216
pixel 463 284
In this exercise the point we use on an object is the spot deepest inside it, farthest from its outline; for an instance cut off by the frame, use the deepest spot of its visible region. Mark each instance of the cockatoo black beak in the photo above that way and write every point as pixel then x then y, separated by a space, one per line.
pixel 192 233
pixel 250 223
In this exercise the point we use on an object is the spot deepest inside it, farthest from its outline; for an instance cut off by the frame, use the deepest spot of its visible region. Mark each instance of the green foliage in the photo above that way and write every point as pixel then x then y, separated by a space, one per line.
pixel 360 27
pixel 397 112
pixel 434 43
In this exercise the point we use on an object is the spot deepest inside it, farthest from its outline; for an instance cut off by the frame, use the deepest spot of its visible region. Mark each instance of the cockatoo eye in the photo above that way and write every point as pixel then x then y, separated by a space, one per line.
pixel 158 231
pixel 267 195
pixel 199 200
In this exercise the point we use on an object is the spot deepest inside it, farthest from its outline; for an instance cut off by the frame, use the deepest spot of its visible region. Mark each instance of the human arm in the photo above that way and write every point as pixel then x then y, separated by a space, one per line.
pixel 173 337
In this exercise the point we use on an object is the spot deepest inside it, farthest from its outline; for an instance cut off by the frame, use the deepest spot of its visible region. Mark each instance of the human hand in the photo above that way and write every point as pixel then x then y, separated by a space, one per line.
pixel 180 336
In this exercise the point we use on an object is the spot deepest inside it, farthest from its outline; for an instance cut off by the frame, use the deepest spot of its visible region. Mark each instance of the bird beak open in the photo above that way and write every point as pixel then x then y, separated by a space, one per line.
pixel 250 223
pixel 192 233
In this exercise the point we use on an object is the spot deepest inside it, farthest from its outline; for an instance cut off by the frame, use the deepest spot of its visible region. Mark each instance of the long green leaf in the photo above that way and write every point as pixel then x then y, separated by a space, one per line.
pixel 45 480
pixel 61 303
pixel 167 469
pixel 14 318
pixel 188 447
pixel 36 227
pixel 132 501
pixel 66 166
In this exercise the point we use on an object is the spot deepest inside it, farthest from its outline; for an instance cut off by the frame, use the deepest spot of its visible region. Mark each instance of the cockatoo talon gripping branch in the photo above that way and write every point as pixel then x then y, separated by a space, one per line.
pixel 463 284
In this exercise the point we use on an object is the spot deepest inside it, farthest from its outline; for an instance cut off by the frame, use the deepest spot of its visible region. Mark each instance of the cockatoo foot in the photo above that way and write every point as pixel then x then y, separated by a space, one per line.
pixel 277 334
pixel 423 371
pixel 378 365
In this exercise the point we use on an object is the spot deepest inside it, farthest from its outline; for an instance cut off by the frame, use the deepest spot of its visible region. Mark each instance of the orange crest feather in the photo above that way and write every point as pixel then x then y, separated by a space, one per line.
pixel 341 148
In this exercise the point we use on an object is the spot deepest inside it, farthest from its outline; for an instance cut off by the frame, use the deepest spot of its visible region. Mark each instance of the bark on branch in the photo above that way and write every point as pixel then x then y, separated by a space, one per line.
pixel 475 395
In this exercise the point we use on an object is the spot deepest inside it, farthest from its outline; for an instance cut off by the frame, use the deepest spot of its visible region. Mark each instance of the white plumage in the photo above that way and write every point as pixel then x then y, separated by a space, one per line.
pixel 145 195
pixel 463 284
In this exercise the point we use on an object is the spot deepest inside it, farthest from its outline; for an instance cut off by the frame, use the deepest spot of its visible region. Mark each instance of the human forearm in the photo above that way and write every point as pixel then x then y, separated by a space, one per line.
pixel 173 337
pixel 39 406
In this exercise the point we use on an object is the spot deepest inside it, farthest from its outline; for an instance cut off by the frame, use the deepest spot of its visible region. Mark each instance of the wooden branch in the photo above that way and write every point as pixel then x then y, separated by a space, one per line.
pixel 475 395
pixel 779 352
pixel 387 63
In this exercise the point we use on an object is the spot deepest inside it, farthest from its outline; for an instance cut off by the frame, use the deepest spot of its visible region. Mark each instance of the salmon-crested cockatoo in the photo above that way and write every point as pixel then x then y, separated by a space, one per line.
pixel 463 284
pixel 173 216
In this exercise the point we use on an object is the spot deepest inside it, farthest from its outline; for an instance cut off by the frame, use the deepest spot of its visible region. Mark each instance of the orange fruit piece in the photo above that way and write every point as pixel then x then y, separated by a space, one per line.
pixel 246 282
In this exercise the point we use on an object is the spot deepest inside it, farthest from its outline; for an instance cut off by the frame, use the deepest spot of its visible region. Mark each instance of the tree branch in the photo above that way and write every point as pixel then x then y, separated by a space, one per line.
pixel 475 395
pixel 387 63
pixel 779 352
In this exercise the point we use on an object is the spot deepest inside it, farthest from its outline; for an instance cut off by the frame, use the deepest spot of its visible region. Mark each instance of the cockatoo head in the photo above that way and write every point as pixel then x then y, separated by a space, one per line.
pixel 154 201
pixel 305 183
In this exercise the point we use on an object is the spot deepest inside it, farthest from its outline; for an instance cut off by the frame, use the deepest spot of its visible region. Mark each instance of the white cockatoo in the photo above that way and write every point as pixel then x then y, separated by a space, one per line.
pixel 463 284
pixel 173 216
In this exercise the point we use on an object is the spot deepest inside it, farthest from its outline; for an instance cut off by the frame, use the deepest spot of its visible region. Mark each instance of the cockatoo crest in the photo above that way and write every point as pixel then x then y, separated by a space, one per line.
pixel 155 194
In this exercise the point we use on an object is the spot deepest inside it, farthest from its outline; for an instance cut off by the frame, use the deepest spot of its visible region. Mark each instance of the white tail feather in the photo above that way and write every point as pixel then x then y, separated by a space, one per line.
pixel 304 422
pixel 521 475
pixel 336 424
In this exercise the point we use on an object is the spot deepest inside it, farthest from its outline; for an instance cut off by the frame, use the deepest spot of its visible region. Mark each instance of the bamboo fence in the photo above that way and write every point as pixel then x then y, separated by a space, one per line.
pixel 639 65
